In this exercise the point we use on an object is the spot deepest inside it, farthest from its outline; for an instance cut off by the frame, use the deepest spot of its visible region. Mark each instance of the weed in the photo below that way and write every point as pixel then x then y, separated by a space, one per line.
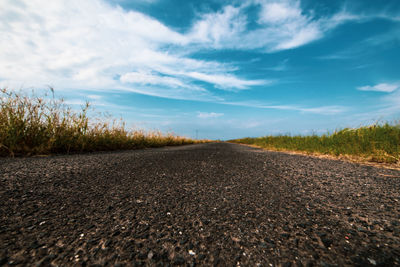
pixel 32 125
pixel 377 143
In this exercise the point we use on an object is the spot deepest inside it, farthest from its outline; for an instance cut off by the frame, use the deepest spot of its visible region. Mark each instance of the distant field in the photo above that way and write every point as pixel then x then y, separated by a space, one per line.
pixel 36 125
pixel 375 143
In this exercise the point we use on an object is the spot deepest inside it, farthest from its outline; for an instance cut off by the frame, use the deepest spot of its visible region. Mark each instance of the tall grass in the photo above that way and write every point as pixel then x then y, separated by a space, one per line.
pixel 32 125
pixel 377 143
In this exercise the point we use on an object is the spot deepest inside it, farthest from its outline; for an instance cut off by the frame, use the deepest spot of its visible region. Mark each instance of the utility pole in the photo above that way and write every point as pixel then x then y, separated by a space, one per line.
pixel 197 134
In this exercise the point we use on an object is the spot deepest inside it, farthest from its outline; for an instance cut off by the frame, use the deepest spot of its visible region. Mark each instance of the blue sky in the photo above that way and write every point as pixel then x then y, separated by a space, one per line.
pixel 227 69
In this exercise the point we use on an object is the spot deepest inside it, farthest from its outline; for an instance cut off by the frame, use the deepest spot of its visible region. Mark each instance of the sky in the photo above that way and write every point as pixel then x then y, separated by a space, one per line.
pixel 211 69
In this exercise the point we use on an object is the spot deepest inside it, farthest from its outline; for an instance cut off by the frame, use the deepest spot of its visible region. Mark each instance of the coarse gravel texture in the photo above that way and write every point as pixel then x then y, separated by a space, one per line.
pixel 207 204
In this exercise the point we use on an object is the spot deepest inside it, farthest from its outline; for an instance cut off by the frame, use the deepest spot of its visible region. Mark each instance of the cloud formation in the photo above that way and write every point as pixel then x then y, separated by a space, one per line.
pixel 281 25
pixel 150 79
pixel 94 45
pixel 98 46
pixel 77 44
pixel 208 115
pixel 382 87
pixel 321 110
pixel 225 81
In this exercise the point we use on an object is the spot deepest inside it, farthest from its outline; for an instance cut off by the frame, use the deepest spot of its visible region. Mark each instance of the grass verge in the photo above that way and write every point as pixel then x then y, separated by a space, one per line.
pixel 376 143
pixel 37 125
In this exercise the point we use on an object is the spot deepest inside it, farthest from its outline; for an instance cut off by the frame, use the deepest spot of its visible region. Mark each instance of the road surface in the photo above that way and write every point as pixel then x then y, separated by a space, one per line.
pixel 208 204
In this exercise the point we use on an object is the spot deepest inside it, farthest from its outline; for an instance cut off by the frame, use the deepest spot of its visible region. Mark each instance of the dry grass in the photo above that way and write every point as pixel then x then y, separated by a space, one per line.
pixel 375 143
pixel 37 125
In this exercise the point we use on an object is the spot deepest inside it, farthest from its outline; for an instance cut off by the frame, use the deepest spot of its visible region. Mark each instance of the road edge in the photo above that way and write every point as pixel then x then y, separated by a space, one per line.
pixel 344 158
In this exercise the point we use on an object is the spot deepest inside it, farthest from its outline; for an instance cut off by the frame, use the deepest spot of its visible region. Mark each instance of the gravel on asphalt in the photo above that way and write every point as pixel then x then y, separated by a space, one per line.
pixel 207 204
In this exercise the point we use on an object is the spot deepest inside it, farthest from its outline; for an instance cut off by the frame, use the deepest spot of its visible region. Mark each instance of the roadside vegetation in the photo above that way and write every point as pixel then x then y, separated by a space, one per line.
pixel 40 125
pixel 375 143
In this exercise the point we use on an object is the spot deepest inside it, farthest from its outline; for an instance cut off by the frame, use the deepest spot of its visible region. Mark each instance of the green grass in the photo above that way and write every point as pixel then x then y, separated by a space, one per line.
pixel 376 143
pixel 37 125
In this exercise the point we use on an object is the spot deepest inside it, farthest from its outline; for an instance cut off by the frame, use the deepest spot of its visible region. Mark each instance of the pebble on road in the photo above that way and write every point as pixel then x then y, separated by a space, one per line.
pixel 208 204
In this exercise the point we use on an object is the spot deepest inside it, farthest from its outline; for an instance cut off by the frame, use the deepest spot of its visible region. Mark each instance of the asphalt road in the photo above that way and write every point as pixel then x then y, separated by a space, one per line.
pixel 209 204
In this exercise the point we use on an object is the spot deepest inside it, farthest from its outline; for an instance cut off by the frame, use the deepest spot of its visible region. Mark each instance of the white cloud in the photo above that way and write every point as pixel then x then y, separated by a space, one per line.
pixel 322 110
pixel 225 81
pixel 382 87
pixel 278 12
pixel 150 79
pixel 97 46
pixel 217 28
pixel 282 25
pixel 208 115
pixel 285 22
